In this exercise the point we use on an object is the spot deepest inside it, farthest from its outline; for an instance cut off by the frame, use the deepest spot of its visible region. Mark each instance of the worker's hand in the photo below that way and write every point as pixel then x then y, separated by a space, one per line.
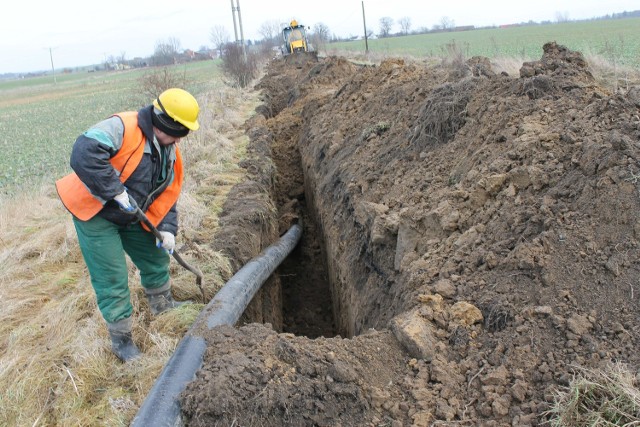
pixel 127 204
pixel 168 242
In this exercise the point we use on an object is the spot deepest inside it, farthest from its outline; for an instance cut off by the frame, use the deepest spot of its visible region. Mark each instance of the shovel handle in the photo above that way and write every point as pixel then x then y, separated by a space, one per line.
pixel 142 217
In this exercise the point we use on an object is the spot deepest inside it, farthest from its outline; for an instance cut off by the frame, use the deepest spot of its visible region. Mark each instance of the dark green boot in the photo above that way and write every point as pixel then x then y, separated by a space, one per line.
pixel 122 343
pixel 161 300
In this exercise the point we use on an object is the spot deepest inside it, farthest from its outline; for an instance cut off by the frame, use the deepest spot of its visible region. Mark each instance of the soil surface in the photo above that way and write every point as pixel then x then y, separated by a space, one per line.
pixel 471 239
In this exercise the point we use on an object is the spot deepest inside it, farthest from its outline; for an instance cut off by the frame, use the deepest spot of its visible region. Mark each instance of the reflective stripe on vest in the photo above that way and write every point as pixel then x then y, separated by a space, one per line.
pixel 77 198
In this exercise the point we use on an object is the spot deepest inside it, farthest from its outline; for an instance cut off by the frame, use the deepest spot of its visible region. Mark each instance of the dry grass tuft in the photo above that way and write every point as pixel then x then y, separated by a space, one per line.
pixel 609 74
pixel 598 398
pixel 56 367
pixel 509 65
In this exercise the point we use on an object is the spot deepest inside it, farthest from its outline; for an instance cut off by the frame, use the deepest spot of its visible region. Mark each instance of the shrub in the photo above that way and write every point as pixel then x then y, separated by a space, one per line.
pixel 240 67
pixel 157 81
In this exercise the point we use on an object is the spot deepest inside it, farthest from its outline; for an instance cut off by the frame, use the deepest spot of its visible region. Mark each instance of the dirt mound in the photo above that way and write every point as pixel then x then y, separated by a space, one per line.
pixel 258 377
pixel 488 223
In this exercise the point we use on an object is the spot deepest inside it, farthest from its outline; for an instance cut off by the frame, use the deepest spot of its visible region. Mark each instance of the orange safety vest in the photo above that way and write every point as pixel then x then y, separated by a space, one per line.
pixel 77 198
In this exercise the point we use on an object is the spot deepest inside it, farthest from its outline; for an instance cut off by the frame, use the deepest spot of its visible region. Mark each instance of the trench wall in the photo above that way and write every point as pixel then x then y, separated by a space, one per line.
pixel 249 223
pixel 359 248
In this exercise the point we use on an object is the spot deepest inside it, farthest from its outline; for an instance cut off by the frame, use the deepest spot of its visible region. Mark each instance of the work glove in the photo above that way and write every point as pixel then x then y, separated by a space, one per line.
pixel 126 203
pixel 168 242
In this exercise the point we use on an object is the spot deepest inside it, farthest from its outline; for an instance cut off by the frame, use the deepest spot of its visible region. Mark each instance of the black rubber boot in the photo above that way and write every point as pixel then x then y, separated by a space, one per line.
pixel 161 300
pixel 122 343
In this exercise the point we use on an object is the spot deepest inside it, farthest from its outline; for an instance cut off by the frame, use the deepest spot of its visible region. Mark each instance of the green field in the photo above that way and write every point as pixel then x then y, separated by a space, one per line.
pixel 616 40
pixel 40 120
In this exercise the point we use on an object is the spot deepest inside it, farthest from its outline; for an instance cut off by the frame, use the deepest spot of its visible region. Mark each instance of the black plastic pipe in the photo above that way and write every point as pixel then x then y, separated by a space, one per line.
pixel 161 407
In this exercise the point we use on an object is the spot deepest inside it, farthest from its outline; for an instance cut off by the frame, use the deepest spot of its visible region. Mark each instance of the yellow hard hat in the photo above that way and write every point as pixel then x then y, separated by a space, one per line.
pixel 180 105
pixel 294 23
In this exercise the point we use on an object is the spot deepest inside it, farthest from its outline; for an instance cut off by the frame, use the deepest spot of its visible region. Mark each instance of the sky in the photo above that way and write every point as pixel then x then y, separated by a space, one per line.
pixel 70 33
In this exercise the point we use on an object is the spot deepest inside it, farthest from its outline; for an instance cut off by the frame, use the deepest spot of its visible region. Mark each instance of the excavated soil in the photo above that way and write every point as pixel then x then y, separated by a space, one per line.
pixel 471 239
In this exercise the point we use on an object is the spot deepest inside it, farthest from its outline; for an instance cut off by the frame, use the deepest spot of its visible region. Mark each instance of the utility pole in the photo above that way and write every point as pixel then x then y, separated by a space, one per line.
pixel 235 28
pixel 53 70
pixel 244 52
pixel 364 22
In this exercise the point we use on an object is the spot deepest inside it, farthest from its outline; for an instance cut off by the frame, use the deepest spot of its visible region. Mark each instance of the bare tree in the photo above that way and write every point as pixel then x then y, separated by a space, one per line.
pixel 166 52
pixel 447 23
pixel 219 37
pixel 562 17
pixel 110 62
pixel 385 26
pixel 320 35
pixel 405 24
pixel 122 58
pixel 270 31
pixel 322 31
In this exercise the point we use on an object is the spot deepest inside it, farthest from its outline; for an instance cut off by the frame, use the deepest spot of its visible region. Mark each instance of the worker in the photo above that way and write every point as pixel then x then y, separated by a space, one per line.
pixel 126 161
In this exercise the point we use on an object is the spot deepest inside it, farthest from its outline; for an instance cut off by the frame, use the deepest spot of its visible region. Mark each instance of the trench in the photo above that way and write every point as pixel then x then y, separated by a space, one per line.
pixel 322 282
pixel 333 283
pixel 307 303
pixel 306 296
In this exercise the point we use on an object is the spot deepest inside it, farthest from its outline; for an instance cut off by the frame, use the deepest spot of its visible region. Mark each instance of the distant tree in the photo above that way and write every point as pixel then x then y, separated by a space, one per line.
pixel 270 32
pixel 405 24
pixel 219 37
pixel 110 63
pixel 321 31
pixel 385 26
pixel 562 17
pixel 122 58
pixel 166 52
pixel 447 23
pixel 320 35
pixel 156 81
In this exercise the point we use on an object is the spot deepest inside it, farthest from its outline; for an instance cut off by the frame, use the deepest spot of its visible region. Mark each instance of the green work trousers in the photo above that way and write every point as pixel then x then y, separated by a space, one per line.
pixel 103 246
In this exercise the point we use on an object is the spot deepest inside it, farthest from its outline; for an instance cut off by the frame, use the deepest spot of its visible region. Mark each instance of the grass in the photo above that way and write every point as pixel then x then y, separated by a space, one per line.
pixel 598 398
pixel 40 120
pixel 56 367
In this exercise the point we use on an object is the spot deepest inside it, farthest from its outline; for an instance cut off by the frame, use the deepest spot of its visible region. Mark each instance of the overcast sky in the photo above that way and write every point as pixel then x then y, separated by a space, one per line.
pixel 84 32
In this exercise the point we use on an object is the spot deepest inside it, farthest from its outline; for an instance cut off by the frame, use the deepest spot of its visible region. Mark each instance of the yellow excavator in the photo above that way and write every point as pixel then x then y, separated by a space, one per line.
pixel 295 38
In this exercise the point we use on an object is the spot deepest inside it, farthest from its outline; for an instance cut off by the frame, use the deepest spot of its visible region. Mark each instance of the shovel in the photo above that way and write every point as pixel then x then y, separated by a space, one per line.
pixel 142 217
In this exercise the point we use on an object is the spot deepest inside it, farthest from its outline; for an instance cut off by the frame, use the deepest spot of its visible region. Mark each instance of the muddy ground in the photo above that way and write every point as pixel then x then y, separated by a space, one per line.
pixel 471 238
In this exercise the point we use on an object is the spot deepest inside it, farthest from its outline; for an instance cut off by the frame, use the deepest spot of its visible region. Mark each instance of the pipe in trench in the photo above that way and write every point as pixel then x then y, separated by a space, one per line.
pixel 161 407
